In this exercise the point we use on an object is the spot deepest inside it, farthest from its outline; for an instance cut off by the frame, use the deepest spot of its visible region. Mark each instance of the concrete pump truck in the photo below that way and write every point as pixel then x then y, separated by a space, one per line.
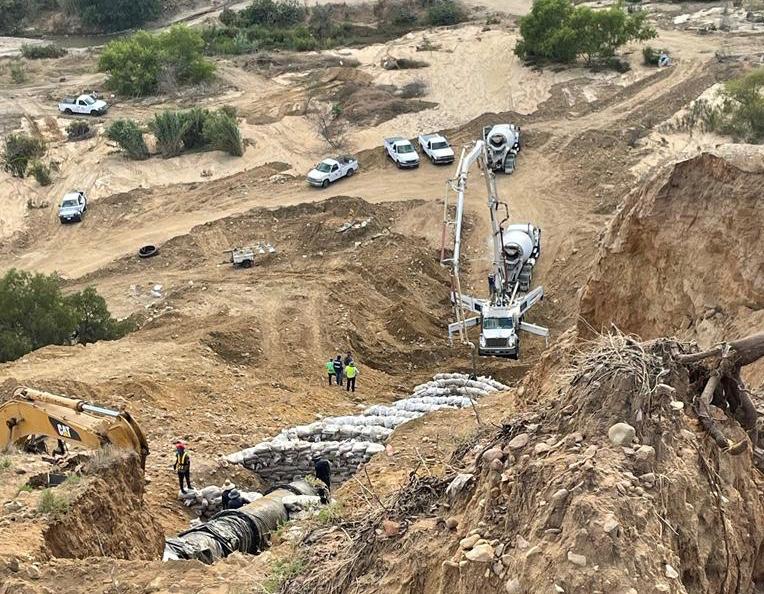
pixel 516 248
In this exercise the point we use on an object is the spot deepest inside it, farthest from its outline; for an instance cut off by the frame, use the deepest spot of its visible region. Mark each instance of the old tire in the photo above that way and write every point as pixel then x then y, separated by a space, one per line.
pixel 148 251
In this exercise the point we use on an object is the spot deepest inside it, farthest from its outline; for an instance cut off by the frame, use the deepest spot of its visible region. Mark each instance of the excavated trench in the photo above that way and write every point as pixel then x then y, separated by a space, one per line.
pixel 347 442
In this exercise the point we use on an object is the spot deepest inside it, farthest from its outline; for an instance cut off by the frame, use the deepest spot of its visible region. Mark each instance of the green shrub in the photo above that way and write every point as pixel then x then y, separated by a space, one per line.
pixel 37 52
pixel 400 15
pixel 12 13
pixel 445 12
pixel 222 133
pixel 169 127
pixel 18 72
pixel 230 18
pixel 743 108
pixel 94 322
pixel 20 150
pixel 128 135
pixel 273 13
pixel 117 15
pixel 134 64
pixel 5 463
pixel 53 504
pixel 79 130
pixel 282 571
pixel 35 313
pixel 555 30
pixel 41 173
pixel 320 22
pixel 193 135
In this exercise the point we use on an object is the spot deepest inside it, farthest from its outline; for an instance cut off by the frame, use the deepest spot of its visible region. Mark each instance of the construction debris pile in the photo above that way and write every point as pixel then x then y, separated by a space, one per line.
pixel 350 441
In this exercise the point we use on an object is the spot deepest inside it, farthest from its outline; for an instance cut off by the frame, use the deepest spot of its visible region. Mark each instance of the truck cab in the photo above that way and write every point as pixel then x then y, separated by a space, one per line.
pixel 402 152
pixel 498 334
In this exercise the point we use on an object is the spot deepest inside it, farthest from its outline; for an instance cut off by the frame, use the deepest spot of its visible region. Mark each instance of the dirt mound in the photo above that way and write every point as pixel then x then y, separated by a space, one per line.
pixel 559 501
pixel 683 256
pixel 107 517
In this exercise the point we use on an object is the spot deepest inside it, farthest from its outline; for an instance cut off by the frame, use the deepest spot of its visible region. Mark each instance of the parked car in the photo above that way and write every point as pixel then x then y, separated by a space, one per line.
pixel 331 169
pixel 85 104
pixel 436 147
pixel 73 207
pixel 401 151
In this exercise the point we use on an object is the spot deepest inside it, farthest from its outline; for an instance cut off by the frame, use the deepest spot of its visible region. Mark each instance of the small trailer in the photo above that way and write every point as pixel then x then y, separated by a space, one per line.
pixel 241 257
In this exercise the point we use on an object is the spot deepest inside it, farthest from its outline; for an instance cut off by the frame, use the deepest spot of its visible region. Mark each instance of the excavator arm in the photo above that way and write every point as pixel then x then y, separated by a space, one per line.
pixel 32 412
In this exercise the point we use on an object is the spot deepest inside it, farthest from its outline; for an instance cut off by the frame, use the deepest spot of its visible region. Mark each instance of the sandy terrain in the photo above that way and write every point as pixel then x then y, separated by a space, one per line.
pixel 225 358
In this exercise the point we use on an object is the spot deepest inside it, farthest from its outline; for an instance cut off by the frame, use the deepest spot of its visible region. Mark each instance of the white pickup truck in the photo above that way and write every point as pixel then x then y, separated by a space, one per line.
pixel 401 152
pixel 85 104
pixel 331 169
pixel 73 207
pixel 436 147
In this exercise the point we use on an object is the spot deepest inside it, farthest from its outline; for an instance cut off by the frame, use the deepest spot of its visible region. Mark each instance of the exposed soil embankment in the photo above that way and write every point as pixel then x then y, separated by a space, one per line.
pixel 108 516
pixel 613 487
pixel 683 256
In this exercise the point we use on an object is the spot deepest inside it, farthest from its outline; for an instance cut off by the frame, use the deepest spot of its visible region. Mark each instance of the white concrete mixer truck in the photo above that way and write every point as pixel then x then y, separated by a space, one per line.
pixel 516 248
pixel 502 143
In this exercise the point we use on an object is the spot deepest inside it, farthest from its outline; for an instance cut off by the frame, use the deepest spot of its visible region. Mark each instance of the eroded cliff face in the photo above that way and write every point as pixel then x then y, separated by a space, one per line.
pixel 108 516
pixel 684 256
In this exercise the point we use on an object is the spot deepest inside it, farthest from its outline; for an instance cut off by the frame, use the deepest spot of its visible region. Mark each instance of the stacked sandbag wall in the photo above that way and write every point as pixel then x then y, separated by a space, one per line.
pixel 348 442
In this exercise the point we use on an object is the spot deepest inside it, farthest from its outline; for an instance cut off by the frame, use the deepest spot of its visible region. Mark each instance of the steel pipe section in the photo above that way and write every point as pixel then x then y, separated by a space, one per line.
pixel 246 529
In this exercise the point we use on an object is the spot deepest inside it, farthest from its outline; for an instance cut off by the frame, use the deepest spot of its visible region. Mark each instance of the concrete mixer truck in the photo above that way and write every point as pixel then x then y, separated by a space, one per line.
pixel 516 248
pixel 502 143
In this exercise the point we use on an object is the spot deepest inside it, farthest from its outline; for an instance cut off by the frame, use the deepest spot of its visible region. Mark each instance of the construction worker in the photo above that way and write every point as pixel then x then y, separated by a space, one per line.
pixel 228 487
pixel 323 472
pixel 235 500
pixel 351 371
pixel 337 365
pixel 182 466
pixel 330 369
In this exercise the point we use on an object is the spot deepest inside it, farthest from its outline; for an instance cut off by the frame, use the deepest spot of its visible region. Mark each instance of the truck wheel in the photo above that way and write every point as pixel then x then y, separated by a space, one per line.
pixel 325 184
pixel 247 264
pixel 398 164
pixel 68 111
pixel 350 173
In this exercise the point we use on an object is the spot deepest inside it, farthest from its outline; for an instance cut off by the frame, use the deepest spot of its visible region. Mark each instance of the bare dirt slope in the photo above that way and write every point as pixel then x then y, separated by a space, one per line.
pixel 684 256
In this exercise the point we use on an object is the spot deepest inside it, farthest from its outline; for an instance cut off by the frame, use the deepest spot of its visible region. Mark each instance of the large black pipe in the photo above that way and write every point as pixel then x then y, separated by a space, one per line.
pixel 245 529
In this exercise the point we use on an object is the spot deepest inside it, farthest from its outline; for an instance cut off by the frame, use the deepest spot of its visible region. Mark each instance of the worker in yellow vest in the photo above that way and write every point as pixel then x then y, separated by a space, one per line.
pixel 351 371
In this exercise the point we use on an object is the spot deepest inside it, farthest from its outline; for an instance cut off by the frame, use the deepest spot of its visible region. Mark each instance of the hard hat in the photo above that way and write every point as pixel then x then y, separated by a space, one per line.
pixel 180 445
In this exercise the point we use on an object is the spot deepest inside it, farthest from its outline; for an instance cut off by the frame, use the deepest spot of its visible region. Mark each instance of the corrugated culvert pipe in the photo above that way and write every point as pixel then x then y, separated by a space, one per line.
pixel 245 529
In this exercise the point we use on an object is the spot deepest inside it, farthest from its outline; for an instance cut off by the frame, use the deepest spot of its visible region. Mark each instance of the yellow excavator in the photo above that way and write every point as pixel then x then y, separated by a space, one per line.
pixel 32 412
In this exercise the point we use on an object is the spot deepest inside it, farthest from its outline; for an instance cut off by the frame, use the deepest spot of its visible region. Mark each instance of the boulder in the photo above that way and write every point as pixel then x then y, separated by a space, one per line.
pixel 621 434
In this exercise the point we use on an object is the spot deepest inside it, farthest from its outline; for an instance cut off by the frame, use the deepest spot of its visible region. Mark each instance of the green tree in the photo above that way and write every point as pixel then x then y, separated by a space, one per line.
pixel 445 12
pixel 117 15
pixel 133 64
pixel 94 322
pixel 181 48
pixel 34 313
pixel 743 109
pixel 320 21
pixel 556 30
pixel 273 13
pixel 12 12
pixel 20 150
